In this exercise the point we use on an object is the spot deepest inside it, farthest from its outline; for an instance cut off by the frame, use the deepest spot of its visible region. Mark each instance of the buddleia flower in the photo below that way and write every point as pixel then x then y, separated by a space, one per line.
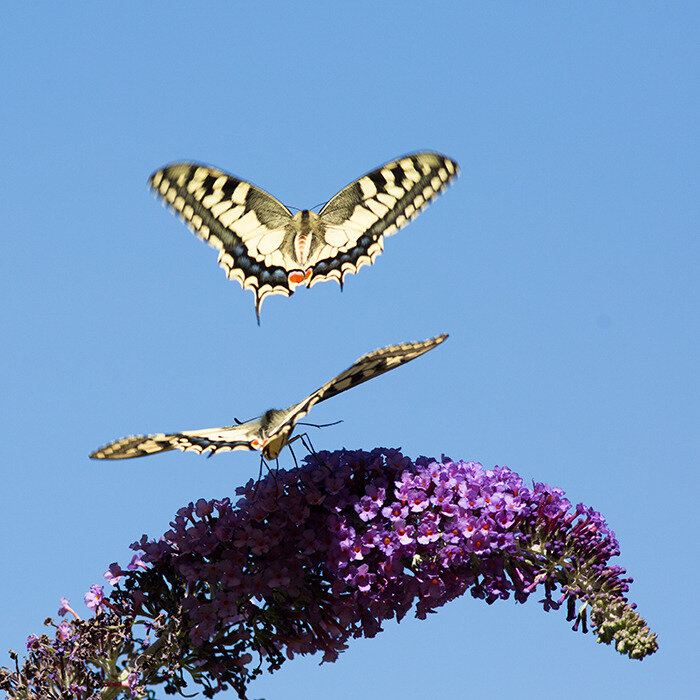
pixel 307 558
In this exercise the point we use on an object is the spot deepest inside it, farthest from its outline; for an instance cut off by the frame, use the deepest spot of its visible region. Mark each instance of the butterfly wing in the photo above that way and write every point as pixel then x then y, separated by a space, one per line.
pixel 245 436
pixel 376 205
pixel 367 367
pixel 244 223
pixel 272 430
pixel 268 250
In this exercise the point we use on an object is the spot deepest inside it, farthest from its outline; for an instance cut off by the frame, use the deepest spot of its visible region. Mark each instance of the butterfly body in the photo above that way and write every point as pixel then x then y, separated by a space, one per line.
pixel 269 250
pixel 303 240
pixel 275 434
pixel 273 429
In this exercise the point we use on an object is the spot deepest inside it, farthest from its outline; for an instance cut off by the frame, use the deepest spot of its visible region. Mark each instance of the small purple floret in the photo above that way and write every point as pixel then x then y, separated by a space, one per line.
pixel 94 597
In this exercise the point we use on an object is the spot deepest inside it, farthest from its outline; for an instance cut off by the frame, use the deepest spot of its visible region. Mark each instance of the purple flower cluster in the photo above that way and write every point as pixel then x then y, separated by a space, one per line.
pixel 310 557
pixel 79 662
pixel 330 550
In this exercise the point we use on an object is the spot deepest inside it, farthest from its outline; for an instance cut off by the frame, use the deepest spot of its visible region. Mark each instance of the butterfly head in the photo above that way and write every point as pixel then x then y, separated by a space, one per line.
pixel 274 433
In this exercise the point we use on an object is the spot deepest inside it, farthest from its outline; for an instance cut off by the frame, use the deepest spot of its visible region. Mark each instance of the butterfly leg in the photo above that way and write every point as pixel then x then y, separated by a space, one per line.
pixel 274 477
pixel 259 479
pixel 303 437
pixel 263 462
pixel 294 457
pixel 272 472
pixel 306 441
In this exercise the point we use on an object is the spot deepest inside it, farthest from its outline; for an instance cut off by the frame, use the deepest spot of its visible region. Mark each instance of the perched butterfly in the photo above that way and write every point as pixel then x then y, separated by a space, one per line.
pixel 270 250
pixel 273 430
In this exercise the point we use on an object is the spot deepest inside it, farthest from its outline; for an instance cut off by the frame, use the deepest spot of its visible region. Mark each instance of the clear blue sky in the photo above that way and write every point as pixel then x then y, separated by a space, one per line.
pixel 563 263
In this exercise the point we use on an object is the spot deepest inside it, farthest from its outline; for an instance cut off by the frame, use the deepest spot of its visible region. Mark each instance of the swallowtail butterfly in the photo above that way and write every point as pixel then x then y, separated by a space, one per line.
pixel 270 250
pixel 273 430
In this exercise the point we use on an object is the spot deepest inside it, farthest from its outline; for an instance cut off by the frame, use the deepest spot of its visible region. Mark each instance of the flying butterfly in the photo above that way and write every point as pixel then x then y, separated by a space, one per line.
pixel 272 431
pixel 270 250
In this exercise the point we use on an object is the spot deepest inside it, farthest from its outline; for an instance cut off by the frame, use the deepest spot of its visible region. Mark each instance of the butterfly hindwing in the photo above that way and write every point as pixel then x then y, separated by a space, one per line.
pixel 269 250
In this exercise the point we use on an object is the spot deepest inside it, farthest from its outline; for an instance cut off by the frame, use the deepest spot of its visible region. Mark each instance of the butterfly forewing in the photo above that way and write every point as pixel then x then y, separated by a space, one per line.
pixel 135 446
pixel 273 429
pixel 376 205
pixel 367 367
pixel 269 250
pixel 244 223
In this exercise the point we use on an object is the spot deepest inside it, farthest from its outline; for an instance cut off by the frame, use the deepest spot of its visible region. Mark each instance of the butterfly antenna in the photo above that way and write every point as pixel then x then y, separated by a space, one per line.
pixel 320 425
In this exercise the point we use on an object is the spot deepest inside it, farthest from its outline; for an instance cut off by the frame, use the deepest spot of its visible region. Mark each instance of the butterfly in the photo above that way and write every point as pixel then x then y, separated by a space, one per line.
pixel 272 431
pixel 269 250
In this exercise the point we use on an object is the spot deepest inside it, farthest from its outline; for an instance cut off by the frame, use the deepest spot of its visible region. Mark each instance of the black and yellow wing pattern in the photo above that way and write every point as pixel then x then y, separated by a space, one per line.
pixel 269 250
pixel 273 430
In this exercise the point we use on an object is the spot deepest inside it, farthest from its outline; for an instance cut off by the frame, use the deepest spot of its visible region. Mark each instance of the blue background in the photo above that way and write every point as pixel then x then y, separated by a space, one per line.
pixel 563 263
